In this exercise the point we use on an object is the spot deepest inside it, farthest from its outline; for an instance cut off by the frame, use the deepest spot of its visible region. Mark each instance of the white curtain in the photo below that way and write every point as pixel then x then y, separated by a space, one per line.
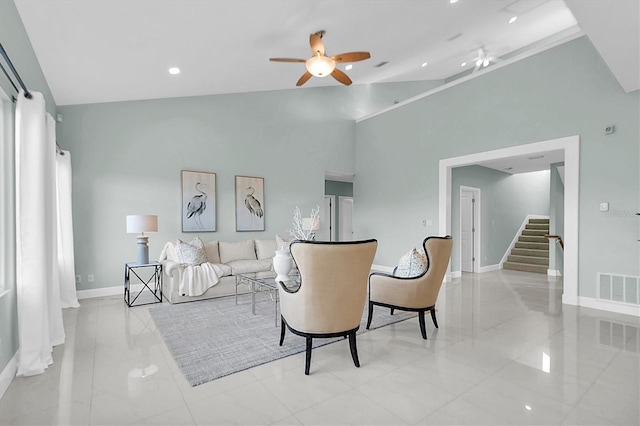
pixel 66 262
pixel 39 310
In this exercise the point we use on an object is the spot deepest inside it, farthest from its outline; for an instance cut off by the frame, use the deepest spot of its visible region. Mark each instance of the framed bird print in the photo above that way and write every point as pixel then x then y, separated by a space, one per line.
pixel 198 201
pixel 249 203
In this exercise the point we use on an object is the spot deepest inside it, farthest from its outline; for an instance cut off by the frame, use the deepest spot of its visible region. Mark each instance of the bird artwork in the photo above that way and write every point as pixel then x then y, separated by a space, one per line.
pixel 197 205
pixel 252 203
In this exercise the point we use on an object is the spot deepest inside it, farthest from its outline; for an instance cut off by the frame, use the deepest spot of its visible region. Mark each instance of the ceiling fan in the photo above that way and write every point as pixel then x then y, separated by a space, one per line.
pixel 321 65
pixel 483 59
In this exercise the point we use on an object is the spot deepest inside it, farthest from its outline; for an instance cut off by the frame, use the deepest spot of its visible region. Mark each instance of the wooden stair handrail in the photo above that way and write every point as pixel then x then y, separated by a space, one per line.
pixel 556 237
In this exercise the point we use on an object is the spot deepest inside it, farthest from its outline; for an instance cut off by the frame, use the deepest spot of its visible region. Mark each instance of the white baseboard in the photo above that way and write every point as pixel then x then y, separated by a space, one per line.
pixel 483 269
pixel 8 373
pixel 106 291
pixel 553 273
pixel 489 268
pixel 609 305
pixel 382 268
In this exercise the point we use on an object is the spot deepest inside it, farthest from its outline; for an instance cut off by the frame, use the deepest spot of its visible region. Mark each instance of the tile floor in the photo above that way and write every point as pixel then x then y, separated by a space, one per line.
pixel 507 352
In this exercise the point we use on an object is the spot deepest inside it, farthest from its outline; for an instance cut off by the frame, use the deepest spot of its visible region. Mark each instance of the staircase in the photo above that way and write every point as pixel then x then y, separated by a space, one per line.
pixel 531 252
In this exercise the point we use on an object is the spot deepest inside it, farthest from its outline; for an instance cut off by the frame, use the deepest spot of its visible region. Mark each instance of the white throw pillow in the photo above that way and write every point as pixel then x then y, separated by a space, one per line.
pixel 411 264
pixel 191 253
pixel 237 250
pixel 282 243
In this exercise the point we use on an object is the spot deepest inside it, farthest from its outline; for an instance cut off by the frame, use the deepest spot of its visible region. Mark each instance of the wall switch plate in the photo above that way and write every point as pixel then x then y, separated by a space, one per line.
pixel 90 278
pixel 429 222
pixel 78 278
pixel 604 207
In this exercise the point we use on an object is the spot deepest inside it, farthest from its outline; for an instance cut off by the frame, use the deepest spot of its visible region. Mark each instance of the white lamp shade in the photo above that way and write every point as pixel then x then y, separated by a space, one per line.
pixel 310 223
pixel 140 223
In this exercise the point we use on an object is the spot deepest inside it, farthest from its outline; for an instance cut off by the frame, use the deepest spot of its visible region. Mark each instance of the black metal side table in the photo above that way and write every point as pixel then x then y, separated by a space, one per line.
pixel 153 284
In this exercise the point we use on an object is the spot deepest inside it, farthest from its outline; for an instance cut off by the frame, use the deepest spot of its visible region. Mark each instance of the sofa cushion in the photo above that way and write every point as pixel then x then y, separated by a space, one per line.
pixel 265 249
pixel 211 248
pixel 411 264
pixel 191 253
pixel 246 266
pixel 226 269
pixel 237 250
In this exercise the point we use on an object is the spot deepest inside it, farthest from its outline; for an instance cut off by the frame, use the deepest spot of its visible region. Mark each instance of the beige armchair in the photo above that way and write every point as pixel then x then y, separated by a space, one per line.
pixel 332 293
pixel 416 294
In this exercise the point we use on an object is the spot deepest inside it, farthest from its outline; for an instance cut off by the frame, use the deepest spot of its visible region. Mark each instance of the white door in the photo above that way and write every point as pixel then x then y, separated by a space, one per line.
pixel 328 224
pixel 468 228
pixel 346 218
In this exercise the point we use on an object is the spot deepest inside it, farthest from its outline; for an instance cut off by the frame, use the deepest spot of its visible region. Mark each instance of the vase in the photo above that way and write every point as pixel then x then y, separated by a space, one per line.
pixel 282 264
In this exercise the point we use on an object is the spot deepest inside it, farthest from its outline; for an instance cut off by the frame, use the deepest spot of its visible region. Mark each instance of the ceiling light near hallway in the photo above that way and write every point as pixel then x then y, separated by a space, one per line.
pixel 424 64
pixel 464 64
pixel 453 1
pixel 512 20
pixel 174 70
pixel 348 67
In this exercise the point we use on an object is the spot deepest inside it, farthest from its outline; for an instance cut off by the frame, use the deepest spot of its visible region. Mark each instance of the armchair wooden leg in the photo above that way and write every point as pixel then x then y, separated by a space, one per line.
pixel 354 349
pixel 433 317
pixel 283 328
pixel 370 314
pixel 307 364
pixel 392 310
pixel 423 327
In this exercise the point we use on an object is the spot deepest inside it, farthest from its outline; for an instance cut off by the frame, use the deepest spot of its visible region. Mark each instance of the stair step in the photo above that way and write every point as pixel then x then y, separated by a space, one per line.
pixel 535 232
pixel 539 221
pixel 528 260
pixel 534 246
pixel 532 239
pixel 530 252
pixel 538 226
pixel 525 267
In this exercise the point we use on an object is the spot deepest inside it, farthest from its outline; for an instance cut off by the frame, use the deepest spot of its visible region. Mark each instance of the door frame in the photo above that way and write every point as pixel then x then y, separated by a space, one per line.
pixel 332 216
pixel 477 224
pixel 571 147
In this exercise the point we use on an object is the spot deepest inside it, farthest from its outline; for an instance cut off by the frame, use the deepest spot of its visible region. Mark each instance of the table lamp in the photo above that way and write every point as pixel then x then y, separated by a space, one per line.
pixel 311 225
pixel 140 223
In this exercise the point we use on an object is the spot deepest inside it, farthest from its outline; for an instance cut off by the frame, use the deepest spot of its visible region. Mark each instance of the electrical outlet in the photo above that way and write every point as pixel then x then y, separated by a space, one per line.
pixel 78 278
pixel 90 278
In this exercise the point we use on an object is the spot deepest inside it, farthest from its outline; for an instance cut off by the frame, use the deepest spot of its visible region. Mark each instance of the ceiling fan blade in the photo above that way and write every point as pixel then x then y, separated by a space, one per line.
pixel 351 57
pixel 316 44
pixel 287 60
pixel 341 77
pixel 305 77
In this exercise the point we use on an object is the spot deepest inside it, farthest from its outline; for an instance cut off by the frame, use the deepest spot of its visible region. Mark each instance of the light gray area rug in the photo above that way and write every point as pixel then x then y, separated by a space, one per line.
pixel 213 338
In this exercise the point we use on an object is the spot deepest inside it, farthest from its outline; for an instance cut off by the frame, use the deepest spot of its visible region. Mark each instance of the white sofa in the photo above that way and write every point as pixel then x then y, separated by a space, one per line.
pixel 246 257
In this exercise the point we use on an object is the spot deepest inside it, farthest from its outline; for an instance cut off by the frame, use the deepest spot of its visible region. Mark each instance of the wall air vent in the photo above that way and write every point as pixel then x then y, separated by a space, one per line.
pixel 454 37
pixel 381 64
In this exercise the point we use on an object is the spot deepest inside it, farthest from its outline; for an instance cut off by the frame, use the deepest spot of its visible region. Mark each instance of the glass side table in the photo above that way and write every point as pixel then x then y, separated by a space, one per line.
pixel 151 283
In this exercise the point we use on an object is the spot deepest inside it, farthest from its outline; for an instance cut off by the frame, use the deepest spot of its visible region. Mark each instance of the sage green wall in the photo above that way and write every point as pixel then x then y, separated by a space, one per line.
pixel 567 90
pixel 339 189
pixel 556 218
pixel 15 41
pixel 505 201
pixel 127 158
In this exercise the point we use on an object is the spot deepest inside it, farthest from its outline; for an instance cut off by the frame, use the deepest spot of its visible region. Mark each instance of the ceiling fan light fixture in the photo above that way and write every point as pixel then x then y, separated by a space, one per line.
pixel 320 66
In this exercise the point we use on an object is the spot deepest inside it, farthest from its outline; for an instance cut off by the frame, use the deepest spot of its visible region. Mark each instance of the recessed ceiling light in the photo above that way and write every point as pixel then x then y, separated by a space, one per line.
pixel 453 1
pixel 512 20
pixel 174 70
pixel 348 67
pixel 424 64
pixel 464 64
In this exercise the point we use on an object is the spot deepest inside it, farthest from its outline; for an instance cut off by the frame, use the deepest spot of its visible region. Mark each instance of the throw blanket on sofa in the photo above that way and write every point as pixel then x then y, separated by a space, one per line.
pixel 196 279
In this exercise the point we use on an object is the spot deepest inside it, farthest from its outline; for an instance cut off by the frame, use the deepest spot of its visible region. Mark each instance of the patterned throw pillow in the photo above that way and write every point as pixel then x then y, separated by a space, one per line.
pixel 192 253
pixel 411 264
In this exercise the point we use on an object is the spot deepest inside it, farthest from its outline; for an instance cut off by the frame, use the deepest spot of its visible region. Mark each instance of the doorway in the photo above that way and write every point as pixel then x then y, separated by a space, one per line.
pixel 346 218
pixel 570 145
pixel 470 231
